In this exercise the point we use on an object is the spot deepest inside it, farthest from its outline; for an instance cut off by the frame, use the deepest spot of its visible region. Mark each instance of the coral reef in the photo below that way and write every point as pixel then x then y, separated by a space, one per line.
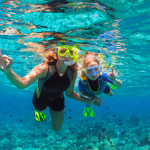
pixel 78 134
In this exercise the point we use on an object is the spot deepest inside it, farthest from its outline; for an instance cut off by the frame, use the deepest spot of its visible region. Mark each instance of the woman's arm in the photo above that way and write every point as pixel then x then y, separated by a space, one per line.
pixel 37 72
pixel 74 95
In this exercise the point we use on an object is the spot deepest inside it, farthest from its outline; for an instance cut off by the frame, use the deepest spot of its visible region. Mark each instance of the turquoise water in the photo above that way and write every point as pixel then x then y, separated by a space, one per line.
pixel 119 31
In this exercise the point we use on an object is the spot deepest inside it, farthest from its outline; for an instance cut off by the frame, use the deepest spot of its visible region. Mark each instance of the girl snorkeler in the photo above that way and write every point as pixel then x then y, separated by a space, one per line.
pixel 93 81
pixel 54 77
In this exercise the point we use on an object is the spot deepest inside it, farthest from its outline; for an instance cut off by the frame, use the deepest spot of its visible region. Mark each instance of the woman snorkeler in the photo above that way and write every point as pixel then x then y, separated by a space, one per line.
pixel 54 77
pixel 93 81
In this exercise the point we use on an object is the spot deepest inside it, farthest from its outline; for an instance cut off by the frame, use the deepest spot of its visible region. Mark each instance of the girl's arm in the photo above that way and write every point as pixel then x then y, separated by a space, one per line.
pixel 74 95
pixel 117 83
pixel 112 76
pixel 87 94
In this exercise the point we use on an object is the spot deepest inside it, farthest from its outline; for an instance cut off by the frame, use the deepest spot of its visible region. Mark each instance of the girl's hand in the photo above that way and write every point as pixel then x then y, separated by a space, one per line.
pixel 112 75
pixel 96 101
pixel 5 63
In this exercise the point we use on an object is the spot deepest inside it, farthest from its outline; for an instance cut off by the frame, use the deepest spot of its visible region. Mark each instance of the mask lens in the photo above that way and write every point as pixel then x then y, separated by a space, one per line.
pixel 62 51
pixel 88 71
pixel 73 53
pixel 97 69
pixel 93 70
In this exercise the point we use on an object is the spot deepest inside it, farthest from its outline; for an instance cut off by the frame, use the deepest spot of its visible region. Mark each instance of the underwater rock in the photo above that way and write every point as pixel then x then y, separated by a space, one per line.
pixel 107 144
pixel 84 140
pixel 44 135
pixel 144 141
pixel 134 119
pixel 103 135
pixel 95 149
pixel 112 143
pixel 67 131
pixel 6 144
pixel 2 134
pixel 18 148
pixel 121 143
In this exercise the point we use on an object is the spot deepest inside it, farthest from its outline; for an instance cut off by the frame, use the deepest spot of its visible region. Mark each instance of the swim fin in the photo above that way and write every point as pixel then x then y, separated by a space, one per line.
pixel 88 110
pixel 43 116
pixel 92 112
pixel 39 116
pixel 84 113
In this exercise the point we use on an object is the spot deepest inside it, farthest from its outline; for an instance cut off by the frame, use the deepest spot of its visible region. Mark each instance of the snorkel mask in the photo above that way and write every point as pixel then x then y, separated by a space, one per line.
pixel 69 51
pixel 93 71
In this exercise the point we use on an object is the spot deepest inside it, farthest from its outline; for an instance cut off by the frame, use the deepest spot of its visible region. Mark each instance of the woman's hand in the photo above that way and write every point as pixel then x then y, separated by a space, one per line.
pixel 5 63
pixel 112 75
pixel 96 101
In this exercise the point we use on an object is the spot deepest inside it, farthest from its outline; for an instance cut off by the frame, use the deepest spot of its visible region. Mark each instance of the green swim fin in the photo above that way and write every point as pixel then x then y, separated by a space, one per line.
pixel 92 112
pixel 112 86
pixel 84 113
pixel 88 110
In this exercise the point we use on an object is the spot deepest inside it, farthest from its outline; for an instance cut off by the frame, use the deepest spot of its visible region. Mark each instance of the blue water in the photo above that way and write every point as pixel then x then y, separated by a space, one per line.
pixel 119 31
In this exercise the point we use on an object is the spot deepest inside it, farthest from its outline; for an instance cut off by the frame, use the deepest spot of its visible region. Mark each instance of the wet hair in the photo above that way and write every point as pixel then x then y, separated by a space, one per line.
pixel 88 58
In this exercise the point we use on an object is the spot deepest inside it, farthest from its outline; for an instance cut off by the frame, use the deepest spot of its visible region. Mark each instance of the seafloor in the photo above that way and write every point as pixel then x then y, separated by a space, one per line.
pixel 108 132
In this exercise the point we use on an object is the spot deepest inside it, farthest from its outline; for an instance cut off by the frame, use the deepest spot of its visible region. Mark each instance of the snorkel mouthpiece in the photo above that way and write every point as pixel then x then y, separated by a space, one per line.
pixel 69 63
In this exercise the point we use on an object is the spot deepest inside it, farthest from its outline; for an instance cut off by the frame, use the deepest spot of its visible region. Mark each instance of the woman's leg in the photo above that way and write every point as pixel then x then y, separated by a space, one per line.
pixel 57 118
pixel 38 110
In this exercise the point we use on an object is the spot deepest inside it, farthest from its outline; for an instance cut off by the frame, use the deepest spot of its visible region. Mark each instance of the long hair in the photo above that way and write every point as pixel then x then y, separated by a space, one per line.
pixel 88 58
pixel 52 55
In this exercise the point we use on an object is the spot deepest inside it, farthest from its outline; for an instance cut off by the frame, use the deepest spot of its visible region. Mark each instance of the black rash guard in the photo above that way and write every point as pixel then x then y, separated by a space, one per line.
pixel 53 85
pixel 51 89
pixel 93 84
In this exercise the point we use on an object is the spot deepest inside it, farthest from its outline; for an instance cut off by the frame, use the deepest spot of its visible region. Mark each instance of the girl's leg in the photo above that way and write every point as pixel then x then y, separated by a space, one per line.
pixel 110 93
pixel 57 118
